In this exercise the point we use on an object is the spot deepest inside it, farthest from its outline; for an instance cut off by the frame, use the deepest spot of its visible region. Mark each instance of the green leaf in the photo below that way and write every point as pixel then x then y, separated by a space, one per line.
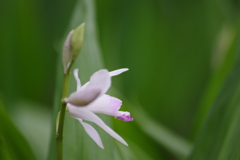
pixel 13 146
pixel 219 139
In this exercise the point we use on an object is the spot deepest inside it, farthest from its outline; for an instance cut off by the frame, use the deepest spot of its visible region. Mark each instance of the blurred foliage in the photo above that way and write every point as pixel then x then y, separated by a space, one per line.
pixel 219 137
pixel 183 60
pixel 26 118
pixel 178 52
pixel 12 143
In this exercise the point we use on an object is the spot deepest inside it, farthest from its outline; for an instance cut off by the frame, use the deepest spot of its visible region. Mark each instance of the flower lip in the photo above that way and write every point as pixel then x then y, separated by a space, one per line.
pixel 105 105
pixel 124 116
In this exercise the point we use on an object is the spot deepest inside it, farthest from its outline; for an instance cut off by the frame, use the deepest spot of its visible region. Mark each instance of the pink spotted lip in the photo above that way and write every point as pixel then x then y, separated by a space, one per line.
pixel 125 117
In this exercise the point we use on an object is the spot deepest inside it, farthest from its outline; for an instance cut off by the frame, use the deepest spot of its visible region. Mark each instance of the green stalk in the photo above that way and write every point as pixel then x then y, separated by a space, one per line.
pixel 60 124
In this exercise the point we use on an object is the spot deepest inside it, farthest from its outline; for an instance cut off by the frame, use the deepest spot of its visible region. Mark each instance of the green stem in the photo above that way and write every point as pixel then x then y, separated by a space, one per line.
pixel 59 136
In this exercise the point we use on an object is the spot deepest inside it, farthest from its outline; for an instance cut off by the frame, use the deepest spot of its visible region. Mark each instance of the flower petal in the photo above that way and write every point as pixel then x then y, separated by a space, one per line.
pixel 112 73
pixel 92 133
pixel 100 79
pixel 83 97
pixel 105 105
pixel 117 72
pixel 85 114
pixel 75 72
pixel 99 83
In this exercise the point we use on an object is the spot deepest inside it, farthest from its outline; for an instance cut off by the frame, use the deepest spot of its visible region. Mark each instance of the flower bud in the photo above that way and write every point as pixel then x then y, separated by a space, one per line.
pixel 67 55
pixel 77 40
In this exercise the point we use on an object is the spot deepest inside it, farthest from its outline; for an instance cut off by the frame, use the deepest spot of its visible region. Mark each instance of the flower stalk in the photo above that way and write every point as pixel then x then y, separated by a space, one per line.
pixel 71 48
pixel 59 135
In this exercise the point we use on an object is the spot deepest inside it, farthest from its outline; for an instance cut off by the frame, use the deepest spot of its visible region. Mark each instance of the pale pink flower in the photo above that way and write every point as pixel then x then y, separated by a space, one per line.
pixel 91 98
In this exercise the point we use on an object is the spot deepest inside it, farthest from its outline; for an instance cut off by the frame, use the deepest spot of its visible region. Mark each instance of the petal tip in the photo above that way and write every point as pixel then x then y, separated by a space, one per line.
pixel 117 72
pixel 75 70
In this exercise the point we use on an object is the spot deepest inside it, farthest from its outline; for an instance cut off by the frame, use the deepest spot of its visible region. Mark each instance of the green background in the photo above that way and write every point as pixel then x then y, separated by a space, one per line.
pixel 182 87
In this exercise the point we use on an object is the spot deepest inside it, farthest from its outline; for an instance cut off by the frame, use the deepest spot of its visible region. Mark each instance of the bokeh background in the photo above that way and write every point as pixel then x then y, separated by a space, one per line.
pixel 183 86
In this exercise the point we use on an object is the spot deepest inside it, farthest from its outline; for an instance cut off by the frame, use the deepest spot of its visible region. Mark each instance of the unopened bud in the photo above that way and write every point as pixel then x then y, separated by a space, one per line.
pixel 77 40
pixel 67 55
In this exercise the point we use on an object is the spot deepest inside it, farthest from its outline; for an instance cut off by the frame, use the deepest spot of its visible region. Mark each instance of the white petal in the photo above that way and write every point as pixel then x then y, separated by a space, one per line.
pixel 83 97
pixel 84 86
pixel 85 114
pixel 105 105
pixel 112 73
pixel 99 83
pixel 100 79
pixel 75 72
pixel 92 133
pixel 117 72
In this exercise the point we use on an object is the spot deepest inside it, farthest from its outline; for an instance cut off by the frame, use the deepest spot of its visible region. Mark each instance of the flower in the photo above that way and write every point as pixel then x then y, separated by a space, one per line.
pixel 91 98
